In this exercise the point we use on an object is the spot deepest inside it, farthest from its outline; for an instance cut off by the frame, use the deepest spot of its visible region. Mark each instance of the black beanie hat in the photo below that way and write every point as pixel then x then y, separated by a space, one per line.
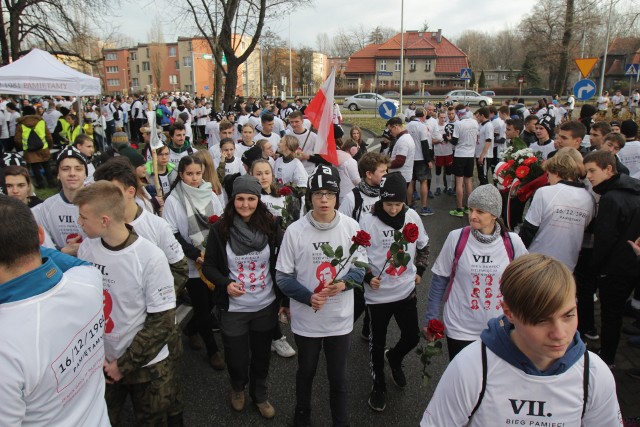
pixel 324 177
pixel 71 152
pixel 393 188
pixel 251 155
pixel 547 122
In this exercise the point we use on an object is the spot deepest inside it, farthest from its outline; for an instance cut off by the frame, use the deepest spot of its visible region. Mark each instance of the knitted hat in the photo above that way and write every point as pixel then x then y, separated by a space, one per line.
pixel 486 198
pixel 71 152
pixel 251 155
pixel 324 177
pixel 547 122
pixel 393 188
pixel 629 129
pixel 64 111
pixel 120 138
pixel 14 159
pixel 246 184
pixel 134 157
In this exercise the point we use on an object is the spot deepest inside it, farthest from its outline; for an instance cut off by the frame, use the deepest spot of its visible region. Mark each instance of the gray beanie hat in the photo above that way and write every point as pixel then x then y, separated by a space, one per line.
pixel 246 184
pixel 486 198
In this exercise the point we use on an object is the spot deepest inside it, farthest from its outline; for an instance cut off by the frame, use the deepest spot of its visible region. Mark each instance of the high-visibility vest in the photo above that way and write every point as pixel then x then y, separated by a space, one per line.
pixel 66 130
pixel 78 130
pixel 40 129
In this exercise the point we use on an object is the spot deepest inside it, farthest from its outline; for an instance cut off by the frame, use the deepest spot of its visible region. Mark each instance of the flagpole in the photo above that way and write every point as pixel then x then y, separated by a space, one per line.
pixel 401 52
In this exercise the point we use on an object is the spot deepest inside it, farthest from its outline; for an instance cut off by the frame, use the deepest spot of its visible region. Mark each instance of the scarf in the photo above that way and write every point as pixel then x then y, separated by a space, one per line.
pixel 395 222
pixel 323 225
pixel 486 239
pixel 368 190
pixel 198 207
pixel 244 239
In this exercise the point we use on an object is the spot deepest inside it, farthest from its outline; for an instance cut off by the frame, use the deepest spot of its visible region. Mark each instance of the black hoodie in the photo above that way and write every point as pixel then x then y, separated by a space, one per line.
pixel 618 221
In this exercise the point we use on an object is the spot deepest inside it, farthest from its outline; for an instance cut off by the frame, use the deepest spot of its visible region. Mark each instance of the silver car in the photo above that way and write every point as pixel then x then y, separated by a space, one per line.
pixel 469 97
pixel 366 101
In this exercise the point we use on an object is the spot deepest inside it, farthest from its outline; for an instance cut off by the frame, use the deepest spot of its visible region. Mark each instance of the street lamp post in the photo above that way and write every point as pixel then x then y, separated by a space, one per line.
pixel 606 48
pixel 401 51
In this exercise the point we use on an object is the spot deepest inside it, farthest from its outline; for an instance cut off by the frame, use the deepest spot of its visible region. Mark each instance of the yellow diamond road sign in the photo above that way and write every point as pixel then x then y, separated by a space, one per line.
pixel 585 65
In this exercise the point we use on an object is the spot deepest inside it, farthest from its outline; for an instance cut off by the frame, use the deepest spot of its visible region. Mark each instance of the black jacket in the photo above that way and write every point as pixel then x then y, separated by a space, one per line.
pixel 618 221
pixel 216 267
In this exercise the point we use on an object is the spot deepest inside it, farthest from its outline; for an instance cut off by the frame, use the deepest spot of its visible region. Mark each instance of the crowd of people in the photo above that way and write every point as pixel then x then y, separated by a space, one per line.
pixel 237 216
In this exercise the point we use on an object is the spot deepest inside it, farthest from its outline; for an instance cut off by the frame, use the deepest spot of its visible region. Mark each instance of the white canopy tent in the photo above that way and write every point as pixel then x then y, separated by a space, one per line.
pixel 40 73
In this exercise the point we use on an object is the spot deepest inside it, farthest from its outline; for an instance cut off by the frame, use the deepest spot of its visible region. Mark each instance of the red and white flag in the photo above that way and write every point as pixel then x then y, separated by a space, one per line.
pixel 320 113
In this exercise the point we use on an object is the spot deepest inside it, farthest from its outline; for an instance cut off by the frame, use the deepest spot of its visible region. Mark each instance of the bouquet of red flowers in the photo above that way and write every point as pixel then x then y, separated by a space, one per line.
pixel 435 333
pixel 518 168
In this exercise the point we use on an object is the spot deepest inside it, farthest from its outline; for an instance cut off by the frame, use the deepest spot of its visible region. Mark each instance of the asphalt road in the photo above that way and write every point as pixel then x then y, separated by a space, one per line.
pixel 206 391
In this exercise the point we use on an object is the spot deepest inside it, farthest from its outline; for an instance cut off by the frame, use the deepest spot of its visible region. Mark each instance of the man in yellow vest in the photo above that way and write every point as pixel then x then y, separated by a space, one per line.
pixel 33 137
pixel 62 133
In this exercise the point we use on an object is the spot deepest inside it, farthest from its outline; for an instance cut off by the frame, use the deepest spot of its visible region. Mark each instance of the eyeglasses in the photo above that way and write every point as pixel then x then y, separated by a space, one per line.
pixel 327 195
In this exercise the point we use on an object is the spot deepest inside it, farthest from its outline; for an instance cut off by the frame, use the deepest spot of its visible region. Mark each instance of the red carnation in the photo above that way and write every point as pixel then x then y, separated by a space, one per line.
pixel 530 161
pixel 435 328
pixel 522 171
pixel 213 219
pixel 507 180
pixel 510 162
pixel 285 191
pixel 362 238
pixel 410 232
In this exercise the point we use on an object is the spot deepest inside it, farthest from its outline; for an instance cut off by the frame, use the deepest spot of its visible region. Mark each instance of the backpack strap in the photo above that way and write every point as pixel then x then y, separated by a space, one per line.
pixel 484 380
pixel 462 242
pixel 508 245
pixel 357 207
pixel 585 383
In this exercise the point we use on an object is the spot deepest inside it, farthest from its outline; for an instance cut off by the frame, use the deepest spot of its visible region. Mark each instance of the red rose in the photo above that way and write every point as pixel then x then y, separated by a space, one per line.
pixel 362 238
pixel 530 161
pixel 522 171
pixel 435 328
pixel 507 180
pixel 213 219
pixel 410 232
pixel 74 236
pixel 285 191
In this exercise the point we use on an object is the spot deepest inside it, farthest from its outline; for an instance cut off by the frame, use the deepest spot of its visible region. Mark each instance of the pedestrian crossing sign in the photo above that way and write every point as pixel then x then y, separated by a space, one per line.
pixel 631 70
pixel 465 73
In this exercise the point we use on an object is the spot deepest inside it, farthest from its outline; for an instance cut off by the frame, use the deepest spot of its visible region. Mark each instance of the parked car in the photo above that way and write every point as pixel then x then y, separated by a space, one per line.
pixel 469 97
pixel 488 93
pixel 536 91
pixel 426 93
pixel 366 101
pixel 391 94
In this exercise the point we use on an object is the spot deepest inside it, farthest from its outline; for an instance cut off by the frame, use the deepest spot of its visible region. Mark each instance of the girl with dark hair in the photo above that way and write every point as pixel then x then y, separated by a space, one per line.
pixel 189 209
pixel 356 135
pixel 240 260
pixel 18 184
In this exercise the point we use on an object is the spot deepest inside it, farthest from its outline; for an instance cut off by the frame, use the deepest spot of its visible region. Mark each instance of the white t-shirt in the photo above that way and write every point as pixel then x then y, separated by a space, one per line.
pixel 466 131
pixel 51 117
pixel 303 258
pixel 349 203
pixel 397 283
pixel 158 231
pixel 274 138
pixel 251 272
pixel 603 101
pixel 543 149
pixel 348 171
pixel 513 397
pixel 306 142
pixel 175 157
pixel 240 149
pixel 617 101
pixel 404 147
pixel 52 355
pixel 475 295
pixel 485 133
pixel 630 157
pixel 59 218
pixel 292 173
pixel 443 148
pixel 562 213
pixel 273 203
pixel 235 166
pixel 212 130
pixel 419 132
pixel 136 280
pixel 176 216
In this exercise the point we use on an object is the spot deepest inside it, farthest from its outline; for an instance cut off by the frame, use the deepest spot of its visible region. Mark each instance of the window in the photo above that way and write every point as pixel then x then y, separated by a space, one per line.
pixel 172 51
pixel 505 77
pixel 428 82
pixel 443 83
pixel 111 56
pixel 147 52
pixel 427 65
pixel 150 79
pixel 177 65
pixel 396 83
pixel 134 56
pixel 383 65
pixel 351 84
pixel 491 76
pixel 412 83
pixel 457 84
pixel 135 82
pixel 188 88
pixel 186 61
pixel 382 84
pixel 113 82
pixel 397 65
pixel 173 79
pixel 190 48
pixel 112 69
pixel 146 66
pixel 412 65
pixel 137 69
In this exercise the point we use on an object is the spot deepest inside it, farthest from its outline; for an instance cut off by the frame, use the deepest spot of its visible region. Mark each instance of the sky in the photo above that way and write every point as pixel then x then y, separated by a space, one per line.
pixel 329 16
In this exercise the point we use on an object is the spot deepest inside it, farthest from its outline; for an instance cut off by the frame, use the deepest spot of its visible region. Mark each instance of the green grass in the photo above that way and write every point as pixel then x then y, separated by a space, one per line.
pixel 45 193
pixel 375 125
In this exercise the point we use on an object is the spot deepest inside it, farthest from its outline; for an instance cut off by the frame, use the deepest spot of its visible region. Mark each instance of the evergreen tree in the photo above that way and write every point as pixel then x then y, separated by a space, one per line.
pixel 529 70
pixel 482 81
pixel 472 82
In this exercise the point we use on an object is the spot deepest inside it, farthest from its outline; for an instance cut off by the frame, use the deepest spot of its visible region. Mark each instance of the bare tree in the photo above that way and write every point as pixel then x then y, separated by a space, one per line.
pixel 381 34
pixel 323 43
pixel 275 58
pixel 158 54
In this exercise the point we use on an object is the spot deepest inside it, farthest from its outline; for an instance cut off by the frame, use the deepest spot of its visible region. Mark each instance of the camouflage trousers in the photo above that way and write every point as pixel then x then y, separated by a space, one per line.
pixel 152 399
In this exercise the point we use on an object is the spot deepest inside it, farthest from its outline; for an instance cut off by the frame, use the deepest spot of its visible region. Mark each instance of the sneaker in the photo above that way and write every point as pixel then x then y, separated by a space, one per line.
pixel 629 311
pixel 377 399
pixel 634 373
pixel 438 192
pixel 451 191
pixel 217 361
pixel 431 196
pixel 397 374
pixel 632 329
pixel 457 212
pixel 426 211
pixel 196 342
pixel 237 400
pixel 466 210
pixel 282 347
pixel 415 196
pixel 592 334
pixel 266 410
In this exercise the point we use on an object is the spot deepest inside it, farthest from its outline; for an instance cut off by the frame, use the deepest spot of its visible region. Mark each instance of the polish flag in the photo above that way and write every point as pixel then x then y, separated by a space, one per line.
pixel 320 113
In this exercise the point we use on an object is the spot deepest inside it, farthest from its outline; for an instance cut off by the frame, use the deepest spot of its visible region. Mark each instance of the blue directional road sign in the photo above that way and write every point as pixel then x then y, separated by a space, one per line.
pixel 584 89
pixel 631 70
pixel 465 73
pixel 387 110
pixel 385 73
